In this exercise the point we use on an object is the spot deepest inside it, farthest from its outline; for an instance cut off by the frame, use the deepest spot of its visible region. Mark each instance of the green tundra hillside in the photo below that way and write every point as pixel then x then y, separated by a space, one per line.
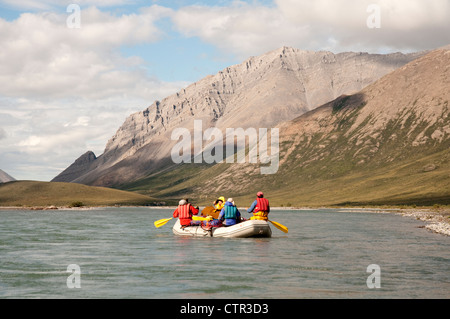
pixel 32 193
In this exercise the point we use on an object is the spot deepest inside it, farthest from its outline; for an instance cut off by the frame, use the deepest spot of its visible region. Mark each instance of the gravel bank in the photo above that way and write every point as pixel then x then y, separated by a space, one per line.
pixel 436 221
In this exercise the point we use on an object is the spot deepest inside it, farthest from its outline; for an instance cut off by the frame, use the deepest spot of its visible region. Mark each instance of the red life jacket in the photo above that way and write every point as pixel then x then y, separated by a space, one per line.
pixel 262 205
pixel 184 211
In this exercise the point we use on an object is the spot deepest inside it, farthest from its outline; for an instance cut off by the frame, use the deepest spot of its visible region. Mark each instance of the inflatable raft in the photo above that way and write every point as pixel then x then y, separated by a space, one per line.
pixel 249 228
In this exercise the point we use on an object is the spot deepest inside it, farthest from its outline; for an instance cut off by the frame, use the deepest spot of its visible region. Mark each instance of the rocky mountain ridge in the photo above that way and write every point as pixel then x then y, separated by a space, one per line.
pixel 390 142
pixel 263 91
pixel 5 178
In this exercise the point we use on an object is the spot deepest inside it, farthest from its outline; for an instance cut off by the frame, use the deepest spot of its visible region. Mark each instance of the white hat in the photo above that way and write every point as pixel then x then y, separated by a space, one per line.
pixel 182 202
pixel 230 200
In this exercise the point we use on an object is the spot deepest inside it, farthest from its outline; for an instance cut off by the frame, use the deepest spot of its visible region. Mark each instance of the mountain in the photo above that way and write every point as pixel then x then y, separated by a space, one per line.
pixel 78 168
pixel 4 177
pixel 259 93
pixel 389 143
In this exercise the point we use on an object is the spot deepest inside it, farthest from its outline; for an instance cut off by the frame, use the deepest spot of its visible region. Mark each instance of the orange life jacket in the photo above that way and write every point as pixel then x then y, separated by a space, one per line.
pixel 262 205
pixel 184 211
pixel 261 210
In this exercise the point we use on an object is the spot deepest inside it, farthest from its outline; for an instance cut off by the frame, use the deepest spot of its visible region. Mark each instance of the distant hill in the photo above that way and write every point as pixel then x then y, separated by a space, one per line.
pixel 4 177
pixel 32 193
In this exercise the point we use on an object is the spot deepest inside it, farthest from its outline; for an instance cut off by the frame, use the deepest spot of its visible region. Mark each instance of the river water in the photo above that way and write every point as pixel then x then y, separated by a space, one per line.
pixel 120 254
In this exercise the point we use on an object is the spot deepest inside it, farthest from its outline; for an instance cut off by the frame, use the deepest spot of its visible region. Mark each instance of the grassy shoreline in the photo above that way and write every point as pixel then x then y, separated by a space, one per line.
pixel 48 194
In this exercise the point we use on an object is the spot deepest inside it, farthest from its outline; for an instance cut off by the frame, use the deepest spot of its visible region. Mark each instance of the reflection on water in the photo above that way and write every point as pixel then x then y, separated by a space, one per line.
pixel 122 255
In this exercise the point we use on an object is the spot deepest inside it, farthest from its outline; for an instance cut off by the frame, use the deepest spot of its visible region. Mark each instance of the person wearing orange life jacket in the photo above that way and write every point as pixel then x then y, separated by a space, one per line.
pixel 260 208
pixel 184 212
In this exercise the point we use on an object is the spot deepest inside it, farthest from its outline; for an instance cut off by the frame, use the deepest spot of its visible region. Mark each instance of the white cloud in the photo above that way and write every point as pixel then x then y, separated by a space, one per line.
pixel 405 24
pixel 41 56
pixel 242 29
pixel 50 4
pixel 53 134
pixel 341 25
pixel 65 91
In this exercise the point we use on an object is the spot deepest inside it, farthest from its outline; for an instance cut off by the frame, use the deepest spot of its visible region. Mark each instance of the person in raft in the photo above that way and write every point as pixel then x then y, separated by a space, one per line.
pixel 214 214
pixel 184 212
pixel 218 203
pixel 229 215
pixel 260 208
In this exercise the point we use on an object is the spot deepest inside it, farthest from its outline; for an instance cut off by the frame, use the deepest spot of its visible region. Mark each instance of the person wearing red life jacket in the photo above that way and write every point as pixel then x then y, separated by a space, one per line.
pixel 260 208
pixel 184 212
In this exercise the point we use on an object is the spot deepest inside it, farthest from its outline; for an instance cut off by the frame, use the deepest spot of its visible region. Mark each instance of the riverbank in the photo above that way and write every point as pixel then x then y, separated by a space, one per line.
pixel 436 221
pixel 75 208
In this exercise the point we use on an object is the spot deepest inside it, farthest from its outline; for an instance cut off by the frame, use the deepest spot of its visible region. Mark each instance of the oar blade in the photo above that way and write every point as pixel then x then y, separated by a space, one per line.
pixel 200 218
pixel 283 228
pixel 162 222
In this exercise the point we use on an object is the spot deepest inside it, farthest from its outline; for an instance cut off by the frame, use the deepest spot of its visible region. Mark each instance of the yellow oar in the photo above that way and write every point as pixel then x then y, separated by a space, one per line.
pixel 279 226
pixel 162 222
pixel 200 218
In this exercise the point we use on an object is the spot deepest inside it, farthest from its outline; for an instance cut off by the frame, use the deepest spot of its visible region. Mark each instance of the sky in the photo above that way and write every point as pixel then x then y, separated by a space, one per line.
pixel 70 75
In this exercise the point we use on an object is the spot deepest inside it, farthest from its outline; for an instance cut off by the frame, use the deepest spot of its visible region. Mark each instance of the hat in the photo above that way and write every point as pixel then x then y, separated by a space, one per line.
pixel 182 202
pixel 260 194
pixel 230 200
pixel 221 198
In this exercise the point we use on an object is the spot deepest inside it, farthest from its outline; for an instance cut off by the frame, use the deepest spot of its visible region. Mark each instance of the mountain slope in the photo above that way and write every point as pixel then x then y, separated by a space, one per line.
pixel 261 92
pixel 78 168
pixel 388 143
pixel 4 177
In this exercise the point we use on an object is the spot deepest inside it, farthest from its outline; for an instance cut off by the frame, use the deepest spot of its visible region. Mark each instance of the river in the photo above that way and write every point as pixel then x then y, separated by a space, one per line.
pixel 118 253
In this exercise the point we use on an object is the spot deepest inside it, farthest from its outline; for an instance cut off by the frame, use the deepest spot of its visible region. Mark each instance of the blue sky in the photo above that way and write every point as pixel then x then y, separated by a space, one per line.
pixel 65 91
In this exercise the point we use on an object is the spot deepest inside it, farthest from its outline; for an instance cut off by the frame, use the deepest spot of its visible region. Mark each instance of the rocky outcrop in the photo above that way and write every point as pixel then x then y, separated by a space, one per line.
pixel 82 165
pixel 5 178
pixel 261 92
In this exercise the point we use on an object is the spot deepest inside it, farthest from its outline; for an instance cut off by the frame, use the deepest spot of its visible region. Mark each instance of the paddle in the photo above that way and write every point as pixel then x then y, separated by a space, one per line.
pixel 200 218
pixel 283 228
pixel 162 222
